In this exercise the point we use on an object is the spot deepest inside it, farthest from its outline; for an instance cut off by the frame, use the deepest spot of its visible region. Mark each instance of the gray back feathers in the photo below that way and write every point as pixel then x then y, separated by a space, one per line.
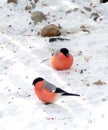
pixel 49 86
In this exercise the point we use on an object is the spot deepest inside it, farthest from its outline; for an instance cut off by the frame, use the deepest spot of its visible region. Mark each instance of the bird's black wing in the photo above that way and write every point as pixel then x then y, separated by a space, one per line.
pixel 59 90
pixel 64 93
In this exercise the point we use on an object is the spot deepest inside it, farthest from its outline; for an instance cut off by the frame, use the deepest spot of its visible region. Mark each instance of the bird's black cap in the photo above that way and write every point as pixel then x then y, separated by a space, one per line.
pixel 65 51
pixel 37 80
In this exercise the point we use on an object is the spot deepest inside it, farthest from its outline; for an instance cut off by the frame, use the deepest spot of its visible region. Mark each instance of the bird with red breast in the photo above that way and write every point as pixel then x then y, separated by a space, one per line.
pixel 61 59
pixel 48 92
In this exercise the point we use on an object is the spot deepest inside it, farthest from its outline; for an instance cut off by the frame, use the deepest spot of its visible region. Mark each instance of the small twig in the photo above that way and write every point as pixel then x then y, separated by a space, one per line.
pixel 44 60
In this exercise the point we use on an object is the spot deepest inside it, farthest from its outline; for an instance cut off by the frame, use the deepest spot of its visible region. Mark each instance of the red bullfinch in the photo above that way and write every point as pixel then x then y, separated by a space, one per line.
pixel 47 92
pixel 62 59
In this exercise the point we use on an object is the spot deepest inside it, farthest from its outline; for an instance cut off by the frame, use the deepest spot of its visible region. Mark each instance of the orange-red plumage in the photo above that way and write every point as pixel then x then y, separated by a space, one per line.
pixel 62 60
pixel 44 94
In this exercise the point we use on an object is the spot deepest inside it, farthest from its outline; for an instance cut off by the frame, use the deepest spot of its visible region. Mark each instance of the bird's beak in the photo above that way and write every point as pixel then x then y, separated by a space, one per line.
pixel 67 54
pixel 52 54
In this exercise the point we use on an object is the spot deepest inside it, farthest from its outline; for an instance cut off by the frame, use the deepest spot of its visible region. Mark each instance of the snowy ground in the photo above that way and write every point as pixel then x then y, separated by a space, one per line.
pixel 22 51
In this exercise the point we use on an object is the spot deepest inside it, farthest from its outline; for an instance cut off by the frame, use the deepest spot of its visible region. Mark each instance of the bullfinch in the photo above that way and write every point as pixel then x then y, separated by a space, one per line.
pixel 47 92
pixel 61 59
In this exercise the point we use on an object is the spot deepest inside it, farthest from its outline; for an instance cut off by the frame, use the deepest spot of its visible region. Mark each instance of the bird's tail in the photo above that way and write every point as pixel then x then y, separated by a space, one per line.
pixel 70 94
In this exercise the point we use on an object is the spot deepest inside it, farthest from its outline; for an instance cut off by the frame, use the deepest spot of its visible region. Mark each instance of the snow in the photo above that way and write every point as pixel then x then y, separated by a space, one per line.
pixel 22 52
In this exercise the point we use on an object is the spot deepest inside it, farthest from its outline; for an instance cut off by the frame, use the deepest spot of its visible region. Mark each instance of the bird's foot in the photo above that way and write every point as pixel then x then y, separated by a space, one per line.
pixel 47 103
